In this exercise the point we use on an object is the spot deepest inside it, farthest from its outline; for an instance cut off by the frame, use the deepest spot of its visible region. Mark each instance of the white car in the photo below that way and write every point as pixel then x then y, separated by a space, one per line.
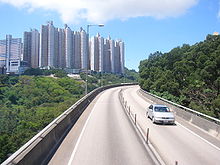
pixel 160 114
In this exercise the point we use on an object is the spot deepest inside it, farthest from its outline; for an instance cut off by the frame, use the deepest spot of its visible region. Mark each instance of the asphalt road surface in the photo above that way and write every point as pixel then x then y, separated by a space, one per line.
pixel 182 142
pixel 104 135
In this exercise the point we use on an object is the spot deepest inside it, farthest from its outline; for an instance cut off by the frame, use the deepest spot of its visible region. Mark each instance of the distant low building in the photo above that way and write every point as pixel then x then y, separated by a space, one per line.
pixel 10 54
pixel 215 33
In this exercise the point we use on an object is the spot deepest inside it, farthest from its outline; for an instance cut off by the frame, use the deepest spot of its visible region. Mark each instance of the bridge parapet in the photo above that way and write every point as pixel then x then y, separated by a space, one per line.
pixel 42 146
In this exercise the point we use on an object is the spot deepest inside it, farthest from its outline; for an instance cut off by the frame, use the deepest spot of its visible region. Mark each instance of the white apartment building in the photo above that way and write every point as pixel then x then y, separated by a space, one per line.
pixel 94 54
pixel 84 50
pixel 97 53
pixel 68 47
pixel 101 53
pixel 64 48
pixel 77 50
pixel 35 43
pixel 43 58
pixel 122 60
pixel 10 54
pixel 106 56
pixel 112 55
pixel 51 44
pixel 31 48
pixel 61 52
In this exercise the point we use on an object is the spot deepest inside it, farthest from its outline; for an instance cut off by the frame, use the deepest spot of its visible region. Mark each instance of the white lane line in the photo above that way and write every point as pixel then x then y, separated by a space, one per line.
pixel 198 136
pixel 78 141
pixel 195 134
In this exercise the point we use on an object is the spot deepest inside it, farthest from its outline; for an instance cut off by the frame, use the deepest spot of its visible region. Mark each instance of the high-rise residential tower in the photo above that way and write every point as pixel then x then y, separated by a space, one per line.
pixel 64 48
pixel 35 44
pixel 68 47
pixel 51 44
pixel 112 55
pixel 101 53
pixel 84 50
pixel 117 58
pixel 27 48
pixel 94 54
pixel 77 50
pixel 31 48
pixel 61 53
pixel 43 59
pixel 122 60
pixel 106 56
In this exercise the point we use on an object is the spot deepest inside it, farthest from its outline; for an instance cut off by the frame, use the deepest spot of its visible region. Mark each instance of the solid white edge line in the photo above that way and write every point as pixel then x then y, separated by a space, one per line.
pixel 79 139
pixel 198 136
pixel 156 153
pixel 153 150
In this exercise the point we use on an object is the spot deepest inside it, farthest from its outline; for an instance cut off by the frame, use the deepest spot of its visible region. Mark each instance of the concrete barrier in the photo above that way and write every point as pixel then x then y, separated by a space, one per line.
pixel 205 122
pixel 42 146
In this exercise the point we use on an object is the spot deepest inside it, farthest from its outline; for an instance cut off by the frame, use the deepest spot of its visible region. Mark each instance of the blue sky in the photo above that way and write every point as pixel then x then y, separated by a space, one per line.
pixel 144 28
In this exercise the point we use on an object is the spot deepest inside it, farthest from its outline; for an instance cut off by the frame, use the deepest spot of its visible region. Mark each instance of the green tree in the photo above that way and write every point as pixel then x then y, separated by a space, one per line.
pixel 188 75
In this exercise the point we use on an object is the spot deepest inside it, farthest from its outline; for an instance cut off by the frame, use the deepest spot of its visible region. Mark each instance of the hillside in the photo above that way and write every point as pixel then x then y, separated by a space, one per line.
pixel 28 104
pixel 101 79
pixel 188 75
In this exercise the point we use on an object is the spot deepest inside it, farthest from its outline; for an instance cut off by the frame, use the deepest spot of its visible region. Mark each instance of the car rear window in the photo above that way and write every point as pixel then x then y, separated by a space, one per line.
pixel 161 109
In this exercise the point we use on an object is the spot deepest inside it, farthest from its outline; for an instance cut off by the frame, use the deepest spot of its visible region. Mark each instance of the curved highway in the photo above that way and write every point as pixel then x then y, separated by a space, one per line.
pixel 182 143
pixel 104 135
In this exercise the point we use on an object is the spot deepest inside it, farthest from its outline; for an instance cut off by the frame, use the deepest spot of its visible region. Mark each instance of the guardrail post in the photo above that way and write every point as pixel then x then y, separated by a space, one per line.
pixel 176 162
pixel 129 109
pixel 147 135
pixel 135 119
pixel 125 104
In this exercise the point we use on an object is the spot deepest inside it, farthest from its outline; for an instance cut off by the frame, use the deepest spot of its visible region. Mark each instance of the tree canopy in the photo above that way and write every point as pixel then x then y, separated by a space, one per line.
pixel 28 104
pixel 189 75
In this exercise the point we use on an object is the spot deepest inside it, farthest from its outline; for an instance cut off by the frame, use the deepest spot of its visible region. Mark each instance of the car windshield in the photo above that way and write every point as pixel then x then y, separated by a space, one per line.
pixel 161 109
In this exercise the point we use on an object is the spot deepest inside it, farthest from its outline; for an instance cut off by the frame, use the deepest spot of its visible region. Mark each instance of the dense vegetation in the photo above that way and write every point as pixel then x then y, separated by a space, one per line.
pixel 30 102
pixel 101 79
pixel 189 75
pixel 45 72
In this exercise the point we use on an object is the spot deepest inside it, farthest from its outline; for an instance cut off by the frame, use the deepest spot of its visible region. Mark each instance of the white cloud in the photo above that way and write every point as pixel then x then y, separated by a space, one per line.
pixel 97 11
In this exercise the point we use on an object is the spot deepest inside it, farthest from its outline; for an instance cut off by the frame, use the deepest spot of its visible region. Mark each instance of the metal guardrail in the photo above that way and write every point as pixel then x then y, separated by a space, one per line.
pixel 217 121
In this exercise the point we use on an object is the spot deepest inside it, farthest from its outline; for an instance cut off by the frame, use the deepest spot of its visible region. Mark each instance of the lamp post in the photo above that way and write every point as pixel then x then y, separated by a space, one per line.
pixel 88 26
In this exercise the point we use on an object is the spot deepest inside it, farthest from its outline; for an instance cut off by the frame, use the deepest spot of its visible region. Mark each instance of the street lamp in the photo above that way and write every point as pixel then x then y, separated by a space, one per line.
pixel 88 26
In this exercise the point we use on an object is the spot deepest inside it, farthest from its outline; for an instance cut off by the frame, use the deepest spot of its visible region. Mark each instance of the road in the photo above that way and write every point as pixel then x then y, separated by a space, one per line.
pixel 103 135
pixel 181 142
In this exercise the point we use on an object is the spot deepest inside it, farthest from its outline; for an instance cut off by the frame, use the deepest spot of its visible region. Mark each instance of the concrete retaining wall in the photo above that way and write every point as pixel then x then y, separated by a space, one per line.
pixel 205 122
pixel 42 146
